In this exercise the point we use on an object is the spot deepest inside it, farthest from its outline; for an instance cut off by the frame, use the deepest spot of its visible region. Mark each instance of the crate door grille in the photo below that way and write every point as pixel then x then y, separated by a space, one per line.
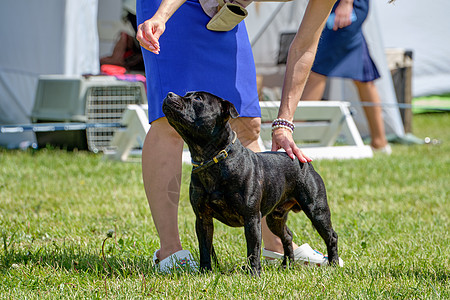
pixel 106 104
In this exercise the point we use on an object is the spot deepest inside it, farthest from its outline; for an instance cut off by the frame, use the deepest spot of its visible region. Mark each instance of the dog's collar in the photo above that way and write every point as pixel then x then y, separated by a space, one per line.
pixel 220 156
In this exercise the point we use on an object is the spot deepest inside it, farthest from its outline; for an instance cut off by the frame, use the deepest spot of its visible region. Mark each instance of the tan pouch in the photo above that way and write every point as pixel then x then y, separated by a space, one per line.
pixel 227 17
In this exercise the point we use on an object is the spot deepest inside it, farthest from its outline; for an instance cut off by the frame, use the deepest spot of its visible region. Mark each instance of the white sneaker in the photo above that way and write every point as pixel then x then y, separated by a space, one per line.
pixel 305 255
pixel 181 260
pixel 387 150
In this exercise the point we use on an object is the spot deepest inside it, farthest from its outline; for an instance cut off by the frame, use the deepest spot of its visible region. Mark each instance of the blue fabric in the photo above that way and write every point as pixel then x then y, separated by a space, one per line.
pixel 193 58
pixel 344 53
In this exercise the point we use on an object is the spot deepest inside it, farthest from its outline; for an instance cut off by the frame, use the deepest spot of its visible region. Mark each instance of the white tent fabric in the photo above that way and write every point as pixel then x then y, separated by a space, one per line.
pixel 286 17
pixel 42 37
pixel 423 27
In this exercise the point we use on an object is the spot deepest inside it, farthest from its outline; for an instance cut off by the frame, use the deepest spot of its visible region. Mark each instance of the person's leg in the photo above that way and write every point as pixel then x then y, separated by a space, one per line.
pixel 247 130
pixel 368 93
pixel 161 172
pixel 314 88
pixel 120 48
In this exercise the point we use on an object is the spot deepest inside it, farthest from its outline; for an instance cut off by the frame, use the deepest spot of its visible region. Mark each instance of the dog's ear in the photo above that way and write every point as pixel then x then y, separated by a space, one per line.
pixel 229 108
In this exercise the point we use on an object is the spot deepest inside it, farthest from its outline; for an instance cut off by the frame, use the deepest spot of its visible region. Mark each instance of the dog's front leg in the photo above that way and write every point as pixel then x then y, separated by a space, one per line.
pixel 253 236
pixel 205 229
pixel 203 224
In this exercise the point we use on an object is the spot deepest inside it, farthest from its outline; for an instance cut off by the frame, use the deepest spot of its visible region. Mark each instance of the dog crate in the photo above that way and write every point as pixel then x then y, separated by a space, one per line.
pixel 91 100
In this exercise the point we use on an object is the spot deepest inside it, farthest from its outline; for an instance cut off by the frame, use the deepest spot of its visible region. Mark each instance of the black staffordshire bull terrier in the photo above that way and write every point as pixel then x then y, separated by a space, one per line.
pixel 238 187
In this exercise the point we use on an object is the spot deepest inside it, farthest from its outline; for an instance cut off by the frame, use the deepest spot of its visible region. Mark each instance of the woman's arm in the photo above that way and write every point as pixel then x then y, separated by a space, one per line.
pixel 149 32
pixel 300 59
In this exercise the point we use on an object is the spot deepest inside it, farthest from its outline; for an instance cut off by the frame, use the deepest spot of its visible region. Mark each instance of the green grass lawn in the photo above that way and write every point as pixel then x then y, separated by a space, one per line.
pixel 391 215
pixel 431 103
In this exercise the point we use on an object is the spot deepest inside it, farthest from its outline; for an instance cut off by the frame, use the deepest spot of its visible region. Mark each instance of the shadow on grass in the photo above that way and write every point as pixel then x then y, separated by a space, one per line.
pixel 74 258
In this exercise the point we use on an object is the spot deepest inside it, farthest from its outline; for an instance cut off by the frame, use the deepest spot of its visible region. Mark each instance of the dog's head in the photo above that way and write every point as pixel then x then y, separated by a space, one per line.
pixel 198 116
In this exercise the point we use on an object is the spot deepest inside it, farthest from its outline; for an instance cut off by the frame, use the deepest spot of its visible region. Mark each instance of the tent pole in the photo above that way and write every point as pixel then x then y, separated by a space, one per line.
pixel 264 27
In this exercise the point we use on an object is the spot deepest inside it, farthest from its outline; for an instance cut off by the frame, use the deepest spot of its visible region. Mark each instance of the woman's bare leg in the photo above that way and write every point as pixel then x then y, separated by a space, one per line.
pixel 314 88
pixel 247 130
pixel 120 48
pixel 368 93
pixel 161 172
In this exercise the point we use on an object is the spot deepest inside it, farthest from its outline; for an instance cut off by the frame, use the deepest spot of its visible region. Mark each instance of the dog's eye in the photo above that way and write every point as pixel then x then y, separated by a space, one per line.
pixel 197 98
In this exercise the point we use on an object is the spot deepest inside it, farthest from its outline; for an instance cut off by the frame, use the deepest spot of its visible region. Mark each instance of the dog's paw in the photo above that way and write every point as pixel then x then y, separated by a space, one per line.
pixel 253 271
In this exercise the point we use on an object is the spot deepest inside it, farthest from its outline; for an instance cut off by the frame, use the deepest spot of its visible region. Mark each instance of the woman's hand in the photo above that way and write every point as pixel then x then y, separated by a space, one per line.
pixel 343 14
pixel 282 138
pixel 149 32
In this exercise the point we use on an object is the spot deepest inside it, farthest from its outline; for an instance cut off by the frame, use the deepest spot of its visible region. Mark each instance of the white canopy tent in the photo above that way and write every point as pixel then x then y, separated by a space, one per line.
pixel 61 37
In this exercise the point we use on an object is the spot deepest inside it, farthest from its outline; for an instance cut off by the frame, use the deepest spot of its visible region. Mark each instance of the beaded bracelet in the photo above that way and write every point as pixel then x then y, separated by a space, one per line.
pixel 283 123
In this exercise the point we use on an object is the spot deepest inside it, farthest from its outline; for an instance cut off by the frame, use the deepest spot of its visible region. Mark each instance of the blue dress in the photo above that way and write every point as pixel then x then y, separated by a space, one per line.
pixel 193 58
pixel 344 53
